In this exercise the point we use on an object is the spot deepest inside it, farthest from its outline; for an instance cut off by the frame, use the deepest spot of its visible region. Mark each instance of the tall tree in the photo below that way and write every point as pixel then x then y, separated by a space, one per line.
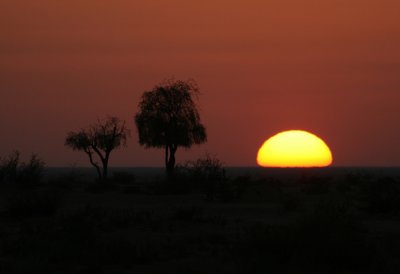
pixel 98 140
pixel 168 118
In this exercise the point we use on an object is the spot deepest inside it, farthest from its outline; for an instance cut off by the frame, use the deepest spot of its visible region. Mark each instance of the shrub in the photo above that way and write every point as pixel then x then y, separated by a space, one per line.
pixel 207 168
pixel 14 171
pixel 209 175
pixel 31 172
pixel 9 167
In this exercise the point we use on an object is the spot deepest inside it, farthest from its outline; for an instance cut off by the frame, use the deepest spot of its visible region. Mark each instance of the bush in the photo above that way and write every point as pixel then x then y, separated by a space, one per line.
pixel 207 168
pixel 14 171
pixel 31 172
pixel 9 167
pixel 209 175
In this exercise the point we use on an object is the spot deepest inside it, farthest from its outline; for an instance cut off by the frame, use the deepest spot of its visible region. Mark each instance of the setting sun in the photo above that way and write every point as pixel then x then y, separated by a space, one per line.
pixel 294 148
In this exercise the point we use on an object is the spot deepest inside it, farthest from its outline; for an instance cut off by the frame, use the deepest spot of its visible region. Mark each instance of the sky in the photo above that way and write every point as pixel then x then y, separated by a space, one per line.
pixel 330 67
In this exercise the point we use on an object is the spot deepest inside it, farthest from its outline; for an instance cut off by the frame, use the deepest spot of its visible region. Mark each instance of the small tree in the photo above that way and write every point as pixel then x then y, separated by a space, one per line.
pixel 99 139
pixel 32 171
pixel 168 118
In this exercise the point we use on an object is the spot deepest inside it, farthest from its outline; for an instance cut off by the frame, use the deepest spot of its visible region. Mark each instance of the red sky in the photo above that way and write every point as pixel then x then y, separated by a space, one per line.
pixel 329 67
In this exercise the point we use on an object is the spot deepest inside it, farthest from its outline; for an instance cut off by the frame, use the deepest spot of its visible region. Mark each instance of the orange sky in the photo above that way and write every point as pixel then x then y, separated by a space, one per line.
pixel 329 67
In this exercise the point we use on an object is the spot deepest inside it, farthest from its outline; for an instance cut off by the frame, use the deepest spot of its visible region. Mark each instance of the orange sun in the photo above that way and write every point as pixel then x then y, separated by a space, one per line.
pixel 294 148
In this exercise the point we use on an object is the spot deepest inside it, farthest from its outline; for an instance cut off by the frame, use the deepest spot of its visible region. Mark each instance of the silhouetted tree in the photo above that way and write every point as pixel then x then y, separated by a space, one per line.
pixel 168 118
pixel 99 139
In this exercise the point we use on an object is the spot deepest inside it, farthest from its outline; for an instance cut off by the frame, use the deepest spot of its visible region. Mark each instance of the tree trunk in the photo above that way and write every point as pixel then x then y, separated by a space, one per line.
pixel 166 156
pixel 170 164
pixel 98 171
pixel 104 161
pixel 105 169
pixel 94 164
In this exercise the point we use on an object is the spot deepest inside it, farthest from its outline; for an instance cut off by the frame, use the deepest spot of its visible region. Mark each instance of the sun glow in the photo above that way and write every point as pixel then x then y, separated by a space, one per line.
pixel 294 148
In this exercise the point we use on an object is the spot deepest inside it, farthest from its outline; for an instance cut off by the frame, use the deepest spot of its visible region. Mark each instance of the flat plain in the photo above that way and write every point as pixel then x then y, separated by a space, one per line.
pixel 250 220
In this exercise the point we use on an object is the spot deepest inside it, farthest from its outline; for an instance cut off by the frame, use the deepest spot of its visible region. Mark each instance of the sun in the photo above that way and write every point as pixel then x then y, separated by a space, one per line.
pixel 294 148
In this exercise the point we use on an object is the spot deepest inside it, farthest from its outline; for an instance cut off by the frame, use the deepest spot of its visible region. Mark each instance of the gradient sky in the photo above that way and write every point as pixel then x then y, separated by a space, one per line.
pixel 331 67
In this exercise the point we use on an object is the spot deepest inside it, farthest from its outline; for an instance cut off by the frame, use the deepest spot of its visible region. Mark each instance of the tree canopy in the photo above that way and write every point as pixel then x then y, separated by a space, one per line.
pixel 99 140
pixel 168 118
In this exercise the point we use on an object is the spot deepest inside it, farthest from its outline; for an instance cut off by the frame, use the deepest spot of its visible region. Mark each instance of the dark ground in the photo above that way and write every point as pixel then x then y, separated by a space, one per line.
pixel 282 221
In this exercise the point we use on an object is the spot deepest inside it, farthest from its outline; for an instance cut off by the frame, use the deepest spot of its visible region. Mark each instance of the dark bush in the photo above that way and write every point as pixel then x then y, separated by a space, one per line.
pixel 31 172
pixel 206 174
pixel 14 171
pixel 9 167
pixel 203 169
pixel 209 175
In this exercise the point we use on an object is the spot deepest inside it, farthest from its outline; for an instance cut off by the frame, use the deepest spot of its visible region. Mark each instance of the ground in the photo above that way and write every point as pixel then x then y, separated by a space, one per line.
pixel 308 223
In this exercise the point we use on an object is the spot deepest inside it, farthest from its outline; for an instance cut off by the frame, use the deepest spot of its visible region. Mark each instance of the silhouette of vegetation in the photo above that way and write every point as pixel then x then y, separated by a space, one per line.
pixel 203 173
pixel 207 168
pixel 207 174
pixel 9 167
pixel 99 139
pixel 12 170
pixel 168 118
